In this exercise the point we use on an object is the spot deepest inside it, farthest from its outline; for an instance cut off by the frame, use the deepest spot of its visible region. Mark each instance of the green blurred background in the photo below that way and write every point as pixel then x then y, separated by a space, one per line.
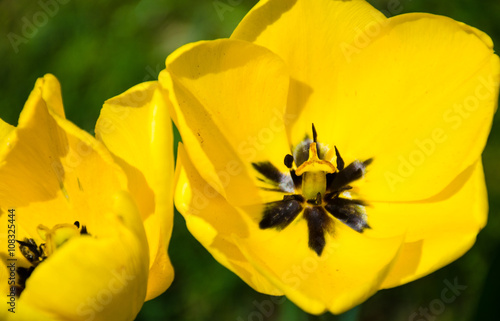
pixel 98 50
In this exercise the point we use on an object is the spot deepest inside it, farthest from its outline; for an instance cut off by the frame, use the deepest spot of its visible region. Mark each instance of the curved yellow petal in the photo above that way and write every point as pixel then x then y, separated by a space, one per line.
pixel 36 128
pixel 313 39
pixel 351 268
pixel 5 129
pixel 213 221
pixel 228 100
pixel 433 112
pixel 438 231
pixel 135 126
pixel 51 93
pixel 280 262
pixel 26 312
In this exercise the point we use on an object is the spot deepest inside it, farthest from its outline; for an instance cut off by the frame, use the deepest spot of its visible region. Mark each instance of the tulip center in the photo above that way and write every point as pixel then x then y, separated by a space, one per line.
pixel 315 187
pixel 313 172
pixel 53 239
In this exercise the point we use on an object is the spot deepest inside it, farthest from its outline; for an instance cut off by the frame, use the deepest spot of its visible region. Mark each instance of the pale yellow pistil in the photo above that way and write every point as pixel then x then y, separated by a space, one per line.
pixel 56 236
pixel 313 173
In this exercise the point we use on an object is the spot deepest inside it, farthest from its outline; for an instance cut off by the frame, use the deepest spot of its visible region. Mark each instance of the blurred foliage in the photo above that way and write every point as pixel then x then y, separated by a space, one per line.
pixel 100 49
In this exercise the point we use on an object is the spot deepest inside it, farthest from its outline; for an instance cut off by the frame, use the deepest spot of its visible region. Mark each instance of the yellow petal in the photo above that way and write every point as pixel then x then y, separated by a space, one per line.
pixel 280 262
pixel 228 102
pixel 312 38
pixel 337 280
pixel 26 312
pixel 5 129
pixel 51 93
pixel 439 230
pixel 135 126
pixel 433 109
pixel 49 138
pixel 213 221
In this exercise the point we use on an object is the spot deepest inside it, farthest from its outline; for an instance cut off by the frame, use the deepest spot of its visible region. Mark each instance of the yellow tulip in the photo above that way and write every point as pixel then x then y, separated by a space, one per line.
pixel 328 151
pixel 74 235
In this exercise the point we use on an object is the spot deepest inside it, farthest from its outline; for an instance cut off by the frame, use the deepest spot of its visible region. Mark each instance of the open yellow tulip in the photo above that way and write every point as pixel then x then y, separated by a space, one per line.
pixel 75 236
pixel 329 152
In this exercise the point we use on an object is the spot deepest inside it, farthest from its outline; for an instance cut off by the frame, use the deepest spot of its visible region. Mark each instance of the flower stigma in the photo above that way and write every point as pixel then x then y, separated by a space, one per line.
pixel 313 172
pixel 35 254
pixel 314 187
